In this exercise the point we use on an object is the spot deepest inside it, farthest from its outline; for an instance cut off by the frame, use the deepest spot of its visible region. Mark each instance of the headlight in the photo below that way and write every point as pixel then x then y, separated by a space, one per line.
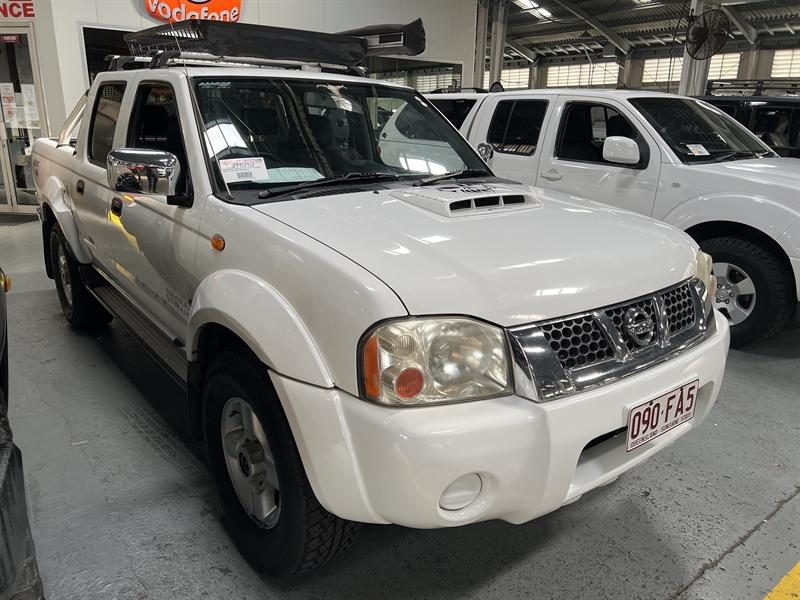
pixel 432 361
pixel 703 270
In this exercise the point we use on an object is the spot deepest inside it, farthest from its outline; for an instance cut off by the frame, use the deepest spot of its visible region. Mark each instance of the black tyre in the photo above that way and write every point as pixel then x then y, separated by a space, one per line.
pixel 755 289
pixel 273 514
pixel 80 308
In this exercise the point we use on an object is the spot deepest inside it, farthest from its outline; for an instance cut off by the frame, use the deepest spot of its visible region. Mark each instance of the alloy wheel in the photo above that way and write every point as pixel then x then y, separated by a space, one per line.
pixel 251 465
pixel 736 292
pixel 63 274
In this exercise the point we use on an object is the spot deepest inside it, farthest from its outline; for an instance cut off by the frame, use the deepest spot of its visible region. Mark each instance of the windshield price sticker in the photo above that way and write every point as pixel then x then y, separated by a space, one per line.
pixel 236 170
pixel 697 149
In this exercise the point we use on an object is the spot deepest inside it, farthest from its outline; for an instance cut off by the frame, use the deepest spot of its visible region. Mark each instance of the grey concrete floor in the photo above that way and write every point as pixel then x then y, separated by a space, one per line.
pixel 122 508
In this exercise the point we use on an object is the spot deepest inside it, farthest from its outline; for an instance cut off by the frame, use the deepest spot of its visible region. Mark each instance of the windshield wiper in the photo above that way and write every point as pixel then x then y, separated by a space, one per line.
pixel 325 181
pixel 462 173
pixel 719 157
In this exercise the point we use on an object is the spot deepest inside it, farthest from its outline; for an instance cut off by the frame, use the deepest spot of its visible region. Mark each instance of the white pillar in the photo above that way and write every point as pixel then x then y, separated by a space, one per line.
pixel 482 30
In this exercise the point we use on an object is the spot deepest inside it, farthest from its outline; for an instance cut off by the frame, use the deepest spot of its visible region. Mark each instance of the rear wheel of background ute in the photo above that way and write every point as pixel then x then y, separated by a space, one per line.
pixel 755 290
pixel 273 514
pixel 80 308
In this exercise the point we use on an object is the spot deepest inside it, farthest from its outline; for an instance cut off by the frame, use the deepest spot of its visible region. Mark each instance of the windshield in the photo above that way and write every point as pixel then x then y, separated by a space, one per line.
pixel 275 132
pixel 697 132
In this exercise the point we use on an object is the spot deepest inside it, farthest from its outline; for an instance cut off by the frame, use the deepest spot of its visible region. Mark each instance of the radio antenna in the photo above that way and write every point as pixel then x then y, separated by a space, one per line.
pixel 196 107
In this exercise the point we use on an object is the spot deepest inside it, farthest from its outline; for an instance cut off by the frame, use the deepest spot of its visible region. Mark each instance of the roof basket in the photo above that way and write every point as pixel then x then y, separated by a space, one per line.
pixel 198 39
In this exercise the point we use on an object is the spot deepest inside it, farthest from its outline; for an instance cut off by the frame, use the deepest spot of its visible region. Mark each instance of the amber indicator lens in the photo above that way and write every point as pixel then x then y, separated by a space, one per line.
pixel 218 243
pixel 372 376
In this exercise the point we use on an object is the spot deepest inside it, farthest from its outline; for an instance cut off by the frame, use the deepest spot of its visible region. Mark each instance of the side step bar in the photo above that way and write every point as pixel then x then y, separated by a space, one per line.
pixel 163 349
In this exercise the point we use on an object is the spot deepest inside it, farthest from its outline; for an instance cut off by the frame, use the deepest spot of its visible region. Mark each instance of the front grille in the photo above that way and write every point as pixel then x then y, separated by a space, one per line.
pixel 577 342
pixel 680 309
pixel 577 352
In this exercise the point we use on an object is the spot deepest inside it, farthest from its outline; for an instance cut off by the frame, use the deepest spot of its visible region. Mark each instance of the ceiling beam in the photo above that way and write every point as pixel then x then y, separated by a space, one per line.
pixel 611 35
pixel 740 22
pixel 528 53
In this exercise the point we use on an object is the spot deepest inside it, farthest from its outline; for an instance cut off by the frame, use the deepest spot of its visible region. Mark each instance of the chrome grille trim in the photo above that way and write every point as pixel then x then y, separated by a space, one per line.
pixel 541 375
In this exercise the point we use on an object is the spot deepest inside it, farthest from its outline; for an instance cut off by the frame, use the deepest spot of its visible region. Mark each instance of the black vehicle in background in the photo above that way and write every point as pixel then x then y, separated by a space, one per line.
pixel 19 573
pixel 770 109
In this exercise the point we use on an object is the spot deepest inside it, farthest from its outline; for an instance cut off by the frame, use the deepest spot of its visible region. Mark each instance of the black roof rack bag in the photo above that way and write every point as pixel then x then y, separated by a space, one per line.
pixel 244 40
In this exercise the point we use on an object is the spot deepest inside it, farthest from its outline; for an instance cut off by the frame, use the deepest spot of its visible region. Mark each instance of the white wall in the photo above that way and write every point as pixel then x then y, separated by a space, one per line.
pixel 450 26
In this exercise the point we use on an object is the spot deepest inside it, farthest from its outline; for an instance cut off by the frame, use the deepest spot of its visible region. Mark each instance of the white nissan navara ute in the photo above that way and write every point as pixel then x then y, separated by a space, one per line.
pixel 673 158
pixel 370 330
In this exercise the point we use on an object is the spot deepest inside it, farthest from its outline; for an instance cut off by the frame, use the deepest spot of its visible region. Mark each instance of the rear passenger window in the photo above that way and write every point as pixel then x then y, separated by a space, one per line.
pixel 516 125
pixel 104 121
pixel 455 110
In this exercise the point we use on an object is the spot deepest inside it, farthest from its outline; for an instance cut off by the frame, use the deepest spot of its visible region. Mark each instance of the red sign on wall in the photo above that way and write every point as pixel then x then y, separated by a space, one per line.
pixel 17 9
pixel 178 10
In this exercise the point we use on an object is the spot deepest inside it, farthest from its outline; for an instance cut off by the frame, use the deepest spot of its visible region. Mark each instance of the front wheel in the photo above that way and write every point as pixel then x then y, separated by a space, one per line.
pixel 273 513
pixel 755 291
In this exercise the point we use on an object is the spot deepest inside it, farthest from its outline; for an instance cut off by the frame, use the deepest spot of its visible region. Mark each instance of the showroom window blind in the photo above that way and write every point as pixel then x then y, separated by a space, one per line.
pixel 398 78
pixel 657 70
pixel 724 66
pixel 786 63
pixel 433 81
pixel 511 78
pixel 603 74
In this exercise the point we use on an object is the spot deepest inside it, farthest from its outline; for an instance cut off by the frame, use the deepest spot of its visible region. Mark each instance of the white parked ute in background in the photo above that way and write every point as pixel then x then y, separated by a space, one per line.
pixel 674 158
pixel 369 330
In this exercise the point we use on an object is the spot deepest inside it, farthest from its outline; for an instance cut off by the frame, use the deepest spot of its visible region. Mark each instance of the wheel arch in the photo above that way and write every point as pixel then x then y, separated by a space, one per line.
pixel 711 229
pixel 56 209
pixel 235 303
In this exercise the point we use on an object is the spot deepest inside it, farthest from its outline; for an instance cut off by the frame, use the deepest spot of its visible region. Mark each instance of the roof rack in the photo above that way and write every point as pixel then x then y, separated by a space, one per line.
pixel 753 87
pixel 205 42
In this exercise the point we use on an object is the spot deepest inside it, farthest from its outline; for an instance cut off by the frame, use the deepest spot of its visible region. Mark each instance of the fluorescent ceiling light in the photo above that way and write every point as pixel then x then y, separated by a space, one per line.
pixel 526 4
pixel 545 14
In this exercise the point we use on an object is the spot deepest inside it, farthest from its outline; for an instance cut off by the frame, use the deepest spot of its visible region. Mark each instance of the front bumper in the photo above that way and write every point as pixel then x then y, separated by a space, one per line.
pixel 382 465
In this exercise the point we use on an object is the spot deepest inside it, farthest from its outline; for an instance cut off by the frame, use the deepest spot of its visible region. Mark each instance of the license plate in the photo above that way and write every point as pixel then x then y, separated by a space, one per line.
pixel 650 419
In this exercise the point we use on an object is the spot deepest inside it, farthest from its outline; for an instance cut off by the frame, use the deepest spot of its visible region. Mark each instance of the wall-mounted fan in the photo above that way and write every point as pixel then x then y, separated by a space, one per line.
pixel 707 34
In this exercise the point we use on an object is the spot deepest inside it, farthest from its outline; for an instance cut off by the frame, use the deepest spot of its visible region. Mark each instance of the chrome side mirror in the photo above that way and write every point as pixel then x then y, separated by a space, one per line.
pixel 140 171
pixel 621 150
pixel 485 151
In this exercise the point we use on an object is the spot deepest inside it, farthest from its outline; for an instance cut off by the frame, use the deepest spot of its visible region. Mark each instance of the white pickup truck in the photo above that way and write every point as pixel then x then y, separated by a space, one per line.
pixel 677 159
pixel 370 328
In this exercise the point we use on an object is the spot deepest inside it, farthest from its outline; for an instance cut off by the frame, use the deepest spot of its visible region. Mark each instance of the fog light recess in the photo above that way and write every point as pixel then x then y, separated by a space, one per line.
pixel 461 493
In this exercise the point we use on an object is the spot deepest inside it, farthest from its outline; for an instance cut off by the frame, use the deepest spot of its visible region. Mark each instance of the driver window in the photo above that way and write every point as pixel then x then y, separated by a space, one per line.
pixel 584 129
pixel 155 124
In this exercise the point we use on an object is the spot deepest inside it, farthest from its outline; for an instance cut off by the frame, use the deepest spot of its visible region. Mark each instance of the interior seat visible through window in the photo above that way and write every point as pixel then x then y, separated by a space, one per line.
pixel 584 130
pixel 576 143
pixel 155 125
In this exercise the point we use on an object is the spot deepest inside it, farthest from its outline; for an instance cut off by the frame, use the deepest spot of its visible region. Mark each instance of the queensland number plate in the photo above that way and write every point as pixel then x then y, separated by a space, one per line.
pixel 652 418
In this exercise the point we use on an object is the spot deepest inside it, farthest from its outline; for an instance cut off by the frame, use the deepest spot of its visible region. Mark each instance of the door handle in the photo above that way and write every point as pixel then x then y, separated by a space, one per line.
pixel 80 186
pixel 552 176
pixel 116 206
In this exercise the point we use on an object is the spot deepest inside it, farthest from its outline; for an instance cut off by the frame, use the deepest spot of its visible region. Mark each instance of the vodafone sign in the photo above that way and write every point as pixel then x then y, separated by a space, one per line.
pixel 178 10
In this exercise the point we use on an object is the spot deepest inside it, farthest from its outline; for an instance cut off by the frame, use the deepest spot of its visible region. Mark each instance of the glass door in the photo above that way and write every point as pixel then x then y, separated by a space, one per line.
pixel 22 118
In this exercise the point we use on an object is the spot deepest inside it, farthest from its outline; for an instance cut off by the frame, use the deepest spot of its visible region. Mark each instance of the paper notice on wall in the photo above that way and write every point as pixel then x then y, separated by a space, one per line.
pixel 31 105
pixel 8 99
